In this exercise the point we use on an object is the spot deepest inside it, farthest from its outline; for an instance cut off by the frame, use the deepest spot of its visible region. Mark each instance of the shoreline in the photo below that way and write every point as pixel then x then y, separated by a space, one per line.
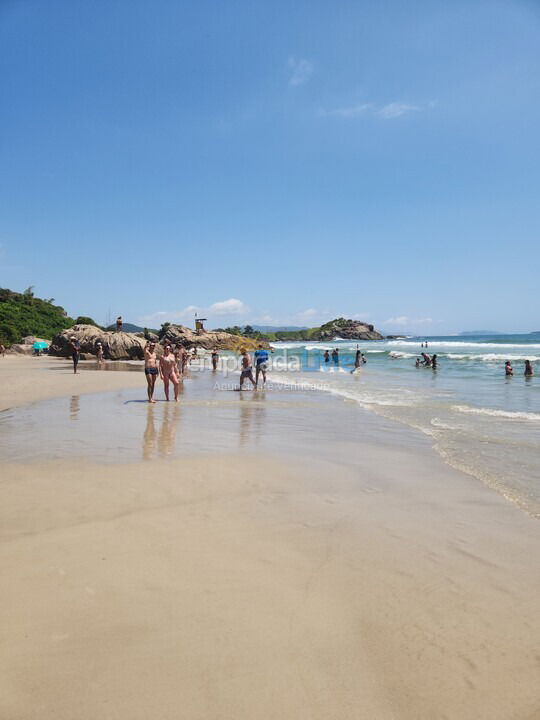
pixel 345 572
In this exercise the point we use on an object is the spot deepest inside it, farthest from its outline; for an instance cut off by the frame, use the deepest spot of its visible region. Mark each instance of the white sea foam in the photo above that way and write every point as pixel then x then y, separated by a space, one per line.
pixel 508 414
pixel 461 344
pixel 491 357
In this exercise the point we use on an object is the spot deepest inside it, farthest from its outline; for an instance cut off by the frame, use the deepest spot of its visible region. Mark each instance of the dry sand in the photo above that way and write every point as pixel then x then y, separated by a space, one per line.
pixel 258 587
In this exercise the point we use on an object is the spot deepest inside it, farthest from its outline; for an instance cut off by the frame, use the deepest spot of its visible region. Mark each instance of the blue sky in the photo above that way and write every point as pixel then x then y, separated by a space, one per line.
pixel 279 163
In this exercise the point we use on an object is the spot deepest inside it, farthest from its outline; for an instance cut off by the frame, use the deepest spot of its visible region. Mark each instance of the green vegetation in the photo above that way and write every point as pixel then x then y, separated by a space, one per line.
pixel 83 320
pixel 23 314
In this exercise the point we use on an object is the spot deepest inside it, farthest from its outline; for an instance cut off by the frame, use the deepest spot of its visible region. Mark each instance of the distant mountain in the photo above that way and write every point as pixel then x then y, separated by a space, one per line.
pixel 482 332
pixel 278 328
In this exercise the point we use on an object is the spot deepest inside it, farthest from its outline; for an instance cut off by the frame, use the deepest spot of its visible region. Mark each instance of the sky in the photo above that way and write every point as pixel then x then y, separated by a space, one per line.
pixel 274 163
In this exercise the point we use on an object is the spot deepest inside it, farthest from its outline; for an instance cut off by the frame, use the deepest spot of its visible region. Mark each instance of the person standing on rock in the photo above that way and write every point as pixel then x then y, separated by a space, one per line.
pixel 75 349
pixel 150 369
pixel 167 371
pixel 119 323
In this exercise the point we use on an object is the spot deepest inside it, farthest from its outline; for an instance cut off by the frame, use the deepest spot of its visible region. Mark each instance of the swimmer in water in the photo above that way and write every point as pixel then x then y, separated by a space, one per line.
pixel 417 363
pixel 150 369
pixel 434 362
pixel 529 372
pixel 167 372
pixel 508 369
pixel 215 359
pixel 326 356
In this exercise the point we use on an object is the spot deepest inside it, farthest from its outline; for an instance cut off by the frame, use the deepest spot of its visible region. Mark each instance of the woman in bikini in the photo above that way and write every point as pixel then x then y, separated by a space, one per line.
pixel 150 369
pixel 168 372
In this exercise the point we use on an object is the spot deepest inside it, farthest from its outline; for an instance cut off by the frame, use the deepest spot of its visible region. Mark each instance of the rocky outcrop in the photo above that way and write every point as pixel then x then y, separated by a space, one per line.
pixel 208 340
pixel 116 345
pixel 26 347
pixel 348 330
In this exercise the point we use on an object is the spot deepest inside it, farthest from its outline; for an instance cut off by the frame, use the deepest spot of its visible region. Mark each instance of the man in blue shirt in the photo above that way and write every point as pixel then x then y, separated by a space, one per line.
pixel 261 364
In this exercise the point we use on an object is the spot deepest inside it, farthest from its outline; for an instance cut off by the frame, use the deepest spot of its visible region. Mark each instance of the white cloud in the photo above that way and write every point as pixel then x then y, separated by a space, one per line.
pixel 387 112
pixel 396 109
pixel 309 313
pixel 349 112
pixel 232 306
pixel 403 320
pixel 301 71
pixel 186 316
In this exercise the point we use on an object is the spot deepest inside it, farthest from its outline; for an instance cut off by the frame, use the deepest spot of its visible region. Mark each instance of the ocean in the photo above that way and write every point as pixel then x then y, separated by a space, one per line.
pixel 480 421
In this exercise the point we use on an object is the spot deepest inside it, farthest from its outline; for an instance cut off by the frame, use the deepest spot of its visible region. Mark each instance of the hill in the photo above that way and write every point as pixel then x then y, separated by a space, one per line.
pixel 23 314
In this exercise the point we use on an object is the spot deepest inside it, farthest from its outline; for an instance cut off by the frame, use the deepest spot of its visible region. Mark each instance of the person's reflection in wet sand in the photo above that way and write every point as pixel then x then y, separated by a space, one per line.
pixel 74 406
pixel 167 433
pixel 149 437
pixel 252 418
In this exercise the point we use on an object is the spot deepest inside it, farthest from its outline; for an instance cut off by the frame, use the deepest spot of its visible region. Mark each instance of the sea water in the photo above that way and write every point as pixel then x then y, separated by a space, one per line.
pixel 479 420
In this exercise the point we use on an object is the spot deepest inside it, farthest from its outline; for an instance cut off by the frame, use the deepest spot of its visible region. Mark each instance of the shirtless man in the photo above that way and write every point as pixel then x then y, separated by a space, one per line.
pixel 247 369
pixel 215 359
pixel 167 371
pixel 150 369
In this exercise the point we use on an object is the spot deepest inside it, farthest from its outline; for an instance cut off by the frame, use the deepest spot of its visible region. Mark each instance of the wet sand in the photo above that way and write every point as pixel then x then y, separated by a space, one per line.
pixel 281 556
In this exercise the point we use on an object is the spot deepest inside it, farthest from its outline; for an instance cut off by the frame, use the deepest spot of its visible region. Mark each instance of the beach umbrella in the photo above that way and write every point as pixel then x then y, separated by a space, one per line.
pixel 40 345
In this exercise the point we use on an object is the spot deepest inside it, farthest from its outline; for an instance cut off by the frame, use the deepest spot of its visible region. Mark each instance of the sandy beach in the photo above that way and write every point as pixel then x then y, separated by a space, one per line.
pixel 264 556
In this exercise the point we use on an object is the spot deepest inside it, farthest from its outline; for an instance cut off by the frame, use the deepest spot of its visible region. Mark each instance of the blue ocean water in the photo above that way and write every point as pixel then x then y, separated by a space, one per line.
pixel 480 421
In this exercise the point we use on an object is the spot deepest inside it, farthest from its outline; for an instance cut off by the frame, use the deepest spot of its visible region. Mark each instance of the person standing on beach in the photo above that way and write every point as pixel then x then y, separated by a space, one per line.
pixel 75 349
pixel 179 355
pixel 508 369
pixel 247 369
pixel 99 354
pixel 335 356
pixel 167 371
pixel 215 359
pixel 119 323
pixel 261 364
pixel 150 369
pixel 529 372
pixel 2 350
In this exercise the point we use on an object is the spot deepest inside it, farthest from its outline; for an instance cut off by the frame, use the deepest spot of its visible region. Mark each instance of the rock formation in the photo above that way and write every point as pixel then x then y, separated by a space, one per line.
pixel 208 339
pixel 348 330
pixel 116 345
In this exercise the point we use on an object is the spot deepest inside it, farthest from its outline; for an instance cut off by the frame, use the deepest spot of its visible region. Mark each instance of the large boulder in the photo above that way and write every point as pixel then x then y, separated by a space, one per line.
pixel 116 345
pixel 208 340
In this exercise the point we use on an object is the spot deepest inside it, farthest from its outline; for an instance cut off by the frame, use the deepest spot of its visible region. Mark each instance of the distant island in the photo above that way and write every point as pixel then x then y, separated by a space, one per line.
pixel 342 328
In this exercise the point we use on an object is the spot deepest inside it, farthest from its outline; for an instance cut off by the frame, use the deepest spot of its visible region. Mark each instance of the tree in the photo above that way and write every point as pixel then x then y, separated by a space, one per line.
pixel 249 331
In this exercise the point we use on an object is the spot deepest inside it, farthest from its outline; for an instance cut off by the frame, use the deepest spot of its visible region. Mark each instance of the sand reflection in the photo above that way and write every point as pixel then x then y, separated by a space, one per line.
pixel 159 438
